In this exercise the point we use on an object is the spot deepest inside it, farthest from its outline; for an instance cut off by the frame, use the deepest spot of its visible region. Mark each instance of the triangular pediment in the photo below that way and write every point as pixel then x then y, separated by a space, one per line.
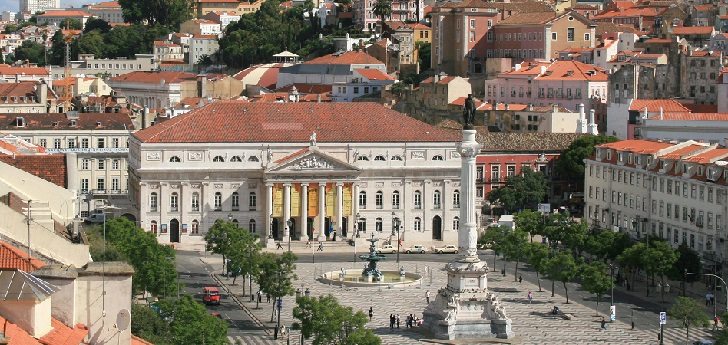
pixel 310 161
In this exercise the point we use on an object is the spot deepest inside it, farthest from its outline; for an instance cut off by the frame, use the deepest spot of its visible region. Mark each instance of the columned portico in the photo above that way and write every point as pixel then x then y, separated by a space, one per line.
pixel 286 210
pixel 303 224
pixel 322 212
pixel 339 208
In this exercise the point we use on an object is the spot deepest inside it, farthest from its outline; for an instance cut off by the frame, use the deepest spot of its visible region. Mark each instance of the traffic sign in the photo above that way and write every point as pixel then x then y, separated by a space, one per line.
pixel 279 303
pixel 663 318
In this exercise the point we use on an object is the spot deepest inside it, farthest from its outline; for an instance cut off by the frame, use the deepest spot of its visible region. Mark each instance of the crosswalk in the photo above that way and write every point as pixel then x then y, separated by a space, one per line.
pixel 252 339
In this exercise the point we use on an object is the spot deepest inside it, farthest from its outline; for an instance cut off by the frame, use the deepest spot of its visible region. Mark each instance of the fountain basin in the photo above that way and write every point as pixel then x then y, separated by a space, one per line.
pixel 354 278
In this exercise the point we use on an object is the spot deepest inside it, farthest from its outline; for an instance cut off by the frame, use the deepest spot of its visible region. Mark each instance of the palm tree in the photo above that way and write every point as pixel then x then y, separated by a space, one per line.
pixel 383 9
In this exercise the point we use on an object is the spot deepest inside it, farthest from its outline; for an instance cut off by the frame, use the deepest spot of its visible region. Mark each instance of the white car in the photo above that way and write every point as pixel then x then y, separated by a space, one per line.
pixel 416 249
pixel 447 249
pixel 387 249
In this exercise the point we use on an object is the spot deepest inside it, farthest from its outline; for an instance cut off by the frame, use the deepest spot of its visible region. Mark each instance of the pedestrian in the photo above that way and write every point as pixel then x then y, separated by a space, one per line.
pixel 715 323
pixel 707 298
pixel 371 313
pixel 267 297
pixel 333 235
pixel 712 299
pixel 604 324
pixel 320 247
pixel 520 278
pixel 278 245
pixel 397 318
pixel 427 296
pixel 391 321
pixel 530 297
pixel 260 296
pixel 308 243
pixel 408 321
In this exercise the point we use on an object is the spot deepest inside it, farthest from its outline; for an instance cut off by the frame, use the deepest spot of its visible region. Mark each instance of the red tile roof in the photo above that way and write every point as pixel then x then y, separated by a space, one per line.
pixel 702 108
pixel 64 335
pixel 59 121
pixel 529 18
pixel 692 30
pixel 307 88
pixel 677 154
pixel 139 341
pixel 64 14
pixel 348 58
pixel 443 81
pixel 708 156
pixel 17 335
pixel 637 146
pixel 564 70
pixel 502 106
pixel 155 77
pixel 232 121
pixel 374 74
pixel 12 257
pixel 7 70
pixel 51 168
pixel 654 105
pixel 19 89
pixel 691 116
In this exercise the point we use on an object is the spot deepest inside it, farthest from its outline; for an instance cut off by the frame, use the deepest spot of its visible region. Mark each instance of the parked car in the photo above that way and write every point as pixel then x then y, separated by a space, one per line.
pixel 95 218
pixel 211 295
pixel 447 249
pixel 416 249
pixel 387 249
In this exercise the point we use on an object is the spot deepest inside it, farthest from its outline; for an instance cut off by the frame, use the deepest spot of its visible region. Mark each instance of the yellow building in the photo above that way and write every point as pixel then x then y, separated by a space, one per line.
pixel 232 7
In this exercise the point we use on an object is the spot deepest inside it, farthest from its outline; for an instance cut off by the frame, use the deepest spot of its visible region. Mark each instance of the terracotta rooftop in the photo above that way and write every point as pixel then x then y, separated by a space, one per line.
pixel 19 89
pixel 692 30
pixel 562 70
pixel 374 74
pixel 679 153
pixel 155 77
pixel 307 88
pixel 64 14
pixel 535 142
pixel 263 75
pixel 59 121
pixel 12 257
pixel 691 116
pixel 529 18
pixel 51 168
pixel 630 12
pixel 702 108
pixel 521 7
pixel 233 121
pixel 708 156
pixel 348 58
pixel 8 70
pixel 64 335
pixel 654 105
pixel 443 81
pixel 637 146
pixel 18 335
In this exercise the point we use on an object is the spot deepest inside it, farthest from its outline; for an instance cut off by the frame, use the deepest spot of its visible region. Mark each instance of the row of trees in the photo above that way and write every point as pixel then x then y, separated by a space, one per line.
pixel 563 260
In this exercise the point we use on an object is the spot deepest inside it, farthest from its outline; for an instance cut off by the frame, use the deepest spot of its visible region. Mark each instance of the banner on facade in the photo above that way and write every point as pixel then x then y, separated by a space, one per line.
pixel 313 200
pixel 330 199
pixel 296 200
pixel 347 199
pixel 277 200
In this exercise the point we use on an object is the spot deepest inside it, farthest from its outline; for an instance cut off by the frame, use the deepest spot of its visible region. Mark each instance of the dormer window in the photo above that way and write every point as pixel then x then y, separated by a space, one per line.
pixel 438 158
pixel 73 123
pixel 620 157
pixel 55 124
pixel 380 158
pixel 629 158
pixel 637 160
pixel 98 124
pixel 700 171
pixel 684 168
pixel 19 122
pixel 662 165
pixel 609 155
pixel 362 158
pixel 396 158
pixel 253 159
pixel 649 160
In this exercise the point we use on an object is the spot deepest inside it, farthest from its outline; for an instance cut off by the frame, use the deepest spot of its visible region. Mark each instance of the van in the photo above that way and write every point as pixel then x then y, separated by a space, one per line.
pixel 95 218
pixel 211 295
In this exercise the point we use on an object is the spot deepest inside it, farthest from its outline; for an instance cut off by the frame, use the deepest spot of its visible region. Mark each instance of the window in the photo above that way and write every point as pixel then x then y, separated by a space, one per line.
pixel 101 164
pixel 218 201
pixel 378 225
pixel 418 224
pixel 174 159
pixel 397 158
pixel 570 34
pixel 472 23
pixel 395 199
pixel 380 158
pixel 85 163
pixel 100 143
pixel 218 159
pixel 236 159
pixel 553 36
pixel 456 223
pixel 153 227
pixel 84 143
pixel 510 170
pixel 251 226
pixel 195 201
pixel 101 184
pixel 253 159
pixel 437 199
pixel 115 184
pixel 71 143
pixel 252 201
pixel 115 164
pixel 84 185
pixel 115 143
pixel 418 200
pixel 153 202
pixel 494 173
pixel 236 201
pixel 362 200
pixel 437 158
pixel 587 37
pixel 379 200
pixel 456 199
pixel 174 202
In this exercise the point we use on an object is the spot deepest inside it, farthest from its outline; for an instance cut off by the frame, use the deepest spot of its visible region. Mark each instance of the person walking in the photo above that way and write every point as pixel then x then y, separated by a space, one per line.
pixel 715 323
pixel 278 245
pixel 308 243
pixel 520 279
pixel 260 296
pixel 320 247
pixel 391 321
pixel 530 297
pixel 397 319
pixel 604 325
pixel 371 313
pixel 427 296
pixel 707 299
pixel 267 297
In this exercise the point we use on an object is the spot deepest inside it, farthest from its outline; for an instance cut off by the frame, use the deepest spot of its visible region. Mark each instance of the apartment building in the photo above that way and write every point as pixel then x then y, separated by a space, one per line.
pixel 26 97
pixel 89 65
pixel 402 10
pixel 202 46
pixel 167 51
pixel 196 27
pixel 203 7
pixel 155 90
pixel 110 11
pixel 672 190
pixel 58 18
pixel 34 6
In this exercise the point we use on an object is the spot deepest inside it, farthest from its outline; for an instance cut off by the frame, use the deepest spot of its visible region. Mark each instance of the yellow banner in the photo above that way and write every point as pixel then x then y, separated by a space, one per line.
pixel 312 200
pixel 295 200
pixel 330 199
pixel 277 200
pixel 347 199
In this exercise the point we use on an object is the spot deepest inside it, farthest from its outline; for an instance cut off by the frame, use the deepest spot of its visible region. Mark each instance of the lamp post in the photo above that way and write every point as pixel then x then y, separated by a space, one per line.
pixel 279 304
pixel 717 277
pixel 611 268
pixel 355 235
pixel 289 223
pixel 395 227
pixel 270 228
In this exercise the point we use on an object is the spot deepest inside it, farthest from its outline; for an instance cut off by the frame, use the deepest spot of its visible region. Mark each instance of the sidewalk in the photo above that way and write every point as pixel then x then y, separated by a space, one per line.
pixel 362 246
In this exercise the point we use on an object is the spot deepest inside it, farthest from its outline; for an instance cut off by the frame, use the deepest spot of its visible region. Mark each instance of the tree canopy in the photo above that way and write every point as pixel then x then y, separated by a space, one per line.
pixel 238 245
pixel 688 313
pixel 571 163
pixel 190 323
pixel 564 268
pixel 523 191
pixel 323 319
pixel 32 51
pixel 168 13
pixel 594 278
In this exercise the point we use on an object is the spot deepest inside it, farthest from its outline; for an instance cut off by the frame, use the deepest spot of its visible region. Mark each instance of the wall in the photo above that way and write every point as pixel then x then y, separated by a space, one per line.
pixel 61 201
pixel 34 318
pixel 91 305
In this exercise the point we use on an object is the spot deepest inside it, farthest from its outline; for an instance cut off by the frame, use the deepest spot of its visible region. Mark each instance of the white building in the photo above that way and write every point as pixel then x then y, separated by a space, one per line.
pixel 34 6
pixel 155 90
pixel 703 127
pixel 58 18
pixel 89 65
pixel 110 11
pixel 623 118
pixel 322 166
pixel 201 46
pixel 675 191
pixel 201 27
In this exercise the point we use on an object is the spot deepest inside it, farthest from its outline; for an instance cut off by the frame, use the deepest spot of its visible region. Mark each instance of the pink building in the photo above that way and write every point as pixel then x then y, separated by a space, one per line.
pixel 566 83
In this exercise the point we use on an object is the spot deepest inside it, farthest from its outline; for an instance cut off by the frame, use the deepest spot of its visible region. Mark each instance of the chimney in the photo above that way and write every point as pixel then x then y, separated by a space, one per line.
pixel 42 93
pixel 543 69
pixel 555 108
pixel 592 127
pixel 506 106
pixel 581 111
pixel 27 302
pixel 644 113
pixel 530 107
pixel 145 117
pixel 581 125
pixel 660 113
pixel 201 85
pixel 517 67
pixel 318 98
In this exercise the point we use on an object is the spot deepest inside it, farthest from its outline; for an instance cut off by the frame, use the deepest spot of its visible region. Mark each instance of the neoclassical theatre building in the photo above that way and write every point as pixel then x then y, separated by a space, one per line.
pixel 297 171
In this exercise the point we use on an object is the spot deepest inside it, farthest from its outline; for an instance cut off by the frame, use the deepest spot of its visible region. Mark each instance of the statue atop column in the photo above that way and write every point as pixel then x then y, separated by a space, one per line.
pixel 312 139
pixel 469 112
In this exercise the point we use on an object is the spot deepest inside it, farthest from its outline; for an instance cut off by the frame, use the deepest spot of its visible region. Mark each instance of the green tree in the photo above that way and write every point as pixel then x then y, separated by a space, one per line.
pixel 599 244
pixel 147 324
pixel 514 247
pixel 169 13
pixel 275 275
pixel 383 10
pixel 493 238
pixel 219 238
pixel 594 278
pixel 575 237
pixel 244 254
pixel 190 323
pixel 92 43
pixel 571 163
pixel 323 318
pixel 538 255
pixel 659 259
pixel 564 268
pixel 633 259
pixel 523 191
pixel 32 51
pixel 424 52
pixel 689 313
pixel 96 24
pixel 689 260
pixel 529 221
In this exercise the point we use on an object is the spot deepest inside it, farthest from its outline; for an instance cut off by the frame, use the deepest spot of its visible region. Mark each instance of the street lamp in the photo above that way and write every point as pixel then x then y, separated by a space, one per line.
pixel 289 223
pixel 611 268
pixel 270 229
pixel 724 288
pixel 395 227
pixel 355 235
pixel 279 303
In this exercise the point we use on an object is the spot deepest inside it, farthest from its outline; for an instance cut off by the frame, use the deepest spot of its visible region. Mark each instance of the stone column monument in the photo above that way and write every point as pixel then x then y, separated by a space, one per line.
pixel 465 308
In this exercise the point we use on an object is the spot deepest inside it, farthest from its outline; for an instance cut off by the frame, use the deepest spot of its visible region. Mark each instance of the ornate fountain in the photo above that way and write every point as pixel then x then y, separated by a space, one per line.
pixel 370 270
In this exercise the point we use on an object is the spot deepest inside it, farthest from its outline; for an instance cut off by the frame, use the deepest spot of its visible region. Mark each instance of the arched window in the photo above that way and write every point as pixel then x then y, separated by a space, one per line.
pixel 456 199
pixel 362 158
pixel 235 221
pixel 195 201
pixel 218 159
pixel 363 200
pixel 418 200
pixel 153 202
pixel 437 158
pixel 174 202
pixel 362 225
pixel 218 201
pixel 395 199
pixel 251 225
pixel 195 226
pixel 253 201
pixel 236 159
pixel 396 158
pixel 437 199
pixel 456 223
pixel 175 159
pixel 418 224
pixel 236 201
pixel 379 200
pixel 153 227
pixel 379 225
pixel 380 158
pixel 253 159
